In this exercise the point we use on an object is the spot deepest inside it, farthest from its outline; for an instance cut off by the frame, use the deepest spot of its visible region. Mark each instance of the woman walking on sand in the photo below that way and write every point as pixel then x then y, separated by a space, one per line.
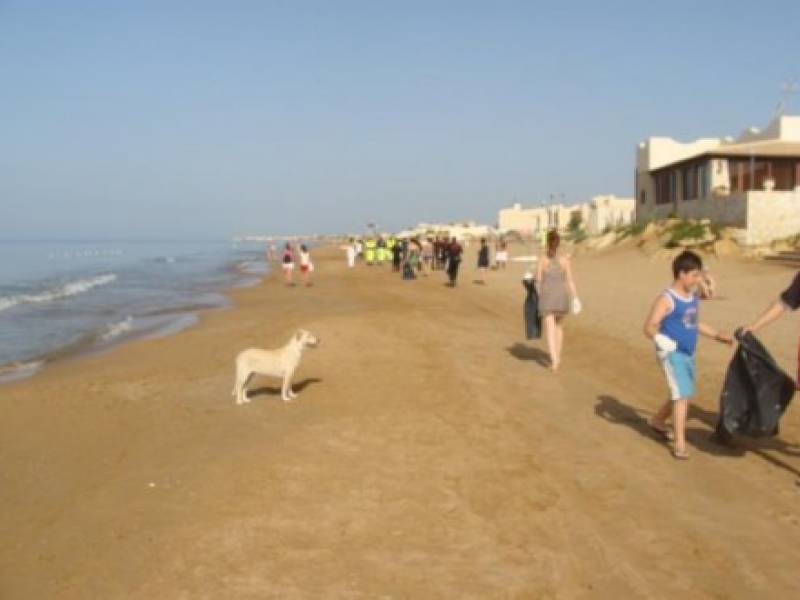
pixel 306 266
pixel 556 285
pixel 483 261
pixel 501 254
pixel 287 264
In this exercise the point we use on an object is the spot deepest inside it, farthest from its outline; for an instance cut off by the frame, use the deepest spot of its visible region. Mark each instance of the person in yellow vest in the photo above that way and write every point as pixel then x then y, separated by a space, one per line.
pixel 369 250
pixel 380 248
pixel 390 244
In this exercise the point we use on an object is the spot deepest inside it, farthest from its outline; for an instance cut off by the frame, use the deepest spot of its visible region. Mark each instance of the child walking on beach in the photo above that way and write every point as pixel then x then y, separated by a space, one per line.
pixel 673 324
pixel 306 266
pixel 287 264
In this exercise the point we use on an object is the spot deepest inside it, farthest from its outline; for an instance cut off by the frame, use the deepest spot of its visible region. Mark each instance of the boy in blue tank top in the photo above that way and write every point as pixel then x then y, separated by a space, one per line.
pixel 673 325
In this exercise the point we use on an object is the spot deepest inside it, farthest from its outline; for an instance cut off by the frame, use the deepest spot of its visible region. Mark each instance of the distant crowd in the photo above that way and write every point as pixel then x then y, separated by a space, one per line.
pixel 416 256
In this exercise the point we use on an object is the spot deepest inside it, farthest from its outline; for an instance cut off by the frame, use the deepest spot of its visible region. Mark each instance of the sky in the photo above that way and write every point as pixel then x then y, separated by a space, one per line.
pixel 204 120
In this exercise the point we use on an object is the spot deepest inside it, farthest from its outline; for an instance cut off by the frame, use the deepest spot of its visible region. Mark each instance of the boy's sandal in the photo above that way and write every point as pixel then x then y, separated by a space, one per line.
pixel 680 454
pixel 664 433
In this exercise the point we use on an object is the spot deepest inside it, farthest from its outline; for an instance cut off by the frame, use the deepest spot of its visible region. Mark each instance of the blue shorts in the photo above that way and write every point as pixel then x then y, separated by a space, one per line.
pixel 680 372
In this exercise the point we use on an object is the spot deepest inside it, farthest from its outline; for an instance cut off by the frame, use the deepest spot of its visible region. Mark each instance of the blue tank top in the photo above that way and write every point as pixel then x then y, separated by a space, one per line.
pixel 681 323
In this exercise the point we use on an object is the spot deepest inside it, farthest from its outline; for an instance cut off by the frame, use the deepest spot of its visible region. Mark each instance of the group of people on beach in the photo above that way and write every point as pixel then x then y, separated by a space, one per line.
pixel 423 255
pixel 288 260
pixel 674 326
pixel 673 323
pixel 408 256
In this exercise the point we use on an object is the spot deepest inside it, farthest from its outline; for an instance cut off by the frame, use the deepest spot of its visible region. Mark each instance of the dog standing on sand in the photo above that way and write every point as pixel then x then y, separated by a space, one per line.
pixel 282 363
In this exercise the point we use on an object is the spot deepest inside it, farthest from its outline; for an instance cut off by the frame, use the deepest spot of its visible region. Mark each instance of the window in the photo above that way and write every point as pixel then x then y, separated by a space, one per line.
pixel 782 172
pixel 664 187
pixel 673 185
pixel 642 197
pixel 689 182
pixel 702 181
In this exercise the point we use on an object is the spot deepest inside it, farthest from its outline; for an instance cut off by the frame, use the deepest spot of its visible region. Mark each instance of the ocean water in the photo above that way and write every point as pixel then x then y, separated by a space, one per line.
pixel 59 299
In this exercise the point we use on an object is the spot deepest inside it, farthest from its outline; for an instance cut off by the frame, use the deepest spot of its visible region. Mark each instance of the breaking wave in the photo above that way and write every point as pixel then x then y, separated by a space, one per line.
pixel 72 288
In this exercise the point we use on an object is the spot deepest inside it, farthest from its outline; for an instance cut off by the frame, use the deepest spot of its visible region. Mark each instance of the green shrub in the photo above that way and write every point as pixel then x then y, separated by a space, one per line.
pixel 686 230
pixel 631 230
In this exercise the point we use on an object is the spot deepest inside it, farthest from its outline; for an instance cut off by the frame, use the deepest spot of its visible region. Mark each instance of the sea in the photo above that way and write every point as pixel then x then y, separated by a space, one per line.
pixel 62 299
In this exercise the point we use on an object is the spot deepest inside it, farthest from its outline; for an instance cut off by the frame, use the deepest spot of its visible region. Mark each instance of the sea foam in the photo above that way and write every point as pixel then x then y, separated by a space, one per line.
pixel 72 288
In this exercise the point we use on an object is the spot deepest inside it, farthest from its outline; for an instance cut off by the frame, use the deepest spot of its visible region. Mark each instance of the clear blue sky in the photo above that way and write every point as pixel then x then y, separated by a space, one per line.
pixel 203 120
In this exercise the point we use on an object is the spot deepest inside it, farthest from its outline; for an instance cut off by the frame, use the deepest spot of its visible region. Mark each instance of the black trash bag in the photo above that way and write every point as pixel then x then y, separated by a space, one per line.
pixel 755 394
pixel 530 311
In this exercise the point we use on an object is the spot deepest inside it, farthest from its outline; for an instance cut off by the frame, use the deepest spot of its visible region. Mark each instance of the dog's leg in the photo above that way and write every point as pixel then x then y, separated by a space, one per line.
pixel 237 387
pixel 286 388
pixel 289 389
pixel 245 397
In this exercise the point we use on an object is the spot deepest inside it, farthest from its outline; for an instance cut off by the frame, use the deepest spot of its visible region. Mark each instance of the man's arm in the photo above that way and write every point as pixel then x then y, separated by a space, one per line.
pixel 775 310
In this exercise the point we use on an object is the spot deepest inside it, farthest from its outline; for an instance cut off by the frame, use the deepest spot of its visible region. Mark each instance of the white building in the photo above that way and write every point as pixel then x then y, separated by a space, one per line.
pixel 608 212
pixel 751 182
pixel 461 230
pixel 595 215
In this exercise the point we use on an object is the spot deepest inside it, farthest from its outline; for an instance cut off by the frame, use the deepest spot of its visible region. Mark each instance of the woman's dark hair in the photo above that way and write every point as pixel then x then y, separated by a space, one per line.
pixel 686 261
pixel 553 240
pixel 303 248
pixel 288 246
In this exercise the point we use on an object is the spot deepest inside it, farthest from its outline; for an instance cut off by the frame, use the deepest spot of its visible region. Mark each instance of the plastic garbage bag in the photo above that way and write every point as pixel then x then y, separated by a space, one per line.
pixel 755 394
pixel 530 310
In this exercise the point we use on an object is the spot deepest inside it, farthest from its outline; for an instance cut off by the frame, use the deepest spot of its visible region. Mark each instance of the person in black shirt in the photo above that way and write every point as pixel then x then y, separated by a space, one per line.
pixel 483 261
pixel 788 300
pixel 397 255
pixel 453 261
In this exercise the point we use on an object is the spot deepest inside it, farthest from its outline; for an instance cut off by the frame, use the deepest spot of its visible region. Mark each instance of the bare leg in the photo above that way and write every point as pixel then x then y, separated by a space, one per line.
pixel 559 331
pixel 550 333
pixel 659 420
pixel 679 423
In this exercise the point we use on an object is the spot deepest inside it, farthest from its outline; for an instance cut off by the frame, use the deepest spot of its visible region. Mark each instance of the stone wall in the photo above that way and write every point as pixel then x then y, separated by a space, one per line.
pixel 772 215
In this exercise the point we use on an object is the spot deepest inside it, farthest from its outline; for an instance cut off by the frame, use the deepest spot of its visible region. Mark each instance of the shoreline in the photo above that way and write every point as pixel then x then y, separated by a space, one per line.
pixel 153 324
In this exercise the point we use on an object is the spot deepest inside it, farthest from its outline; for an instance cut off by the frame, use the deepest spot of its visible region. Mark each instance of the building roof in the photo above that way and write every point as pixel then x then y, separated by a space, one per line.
pixel 759 149
pixel 771 148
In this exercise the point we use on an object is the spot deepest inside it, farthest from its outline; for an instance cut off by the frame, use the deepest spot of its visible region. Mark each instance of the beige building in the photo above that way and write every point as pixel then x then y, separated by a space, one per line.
pixel 523 220
pixel 751 182
pixel 461 230
pixel 597 214
pixel 608 212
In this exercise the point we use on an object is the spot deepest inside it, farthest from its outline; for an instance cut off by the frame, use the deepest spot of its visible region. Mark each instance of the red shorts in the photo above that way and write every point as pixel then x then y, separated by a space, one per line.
pixel 304 269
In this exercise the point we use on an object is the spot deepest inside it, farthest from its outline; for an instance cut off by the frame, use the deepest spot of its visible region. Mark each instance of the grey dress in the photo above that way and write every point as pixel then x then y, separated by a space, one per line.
pixel 553 295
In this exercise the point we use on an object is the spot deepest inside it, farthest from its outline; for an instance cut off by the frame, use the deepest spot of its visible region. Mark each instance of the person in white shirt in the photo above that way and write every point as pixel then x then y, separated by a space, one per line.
pixel 306 266
pixel 351 250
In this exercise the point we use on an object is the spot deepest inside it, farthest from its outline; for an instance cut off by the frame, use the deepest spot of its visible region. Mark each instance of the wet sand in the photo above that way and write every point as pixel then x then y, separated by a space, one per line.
pixel 430 453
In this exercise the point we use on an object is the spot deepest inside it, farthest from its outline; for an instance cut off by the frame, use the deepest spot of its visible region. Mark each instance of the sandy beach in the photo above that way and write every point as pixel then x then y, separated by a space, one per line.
pixel 430 453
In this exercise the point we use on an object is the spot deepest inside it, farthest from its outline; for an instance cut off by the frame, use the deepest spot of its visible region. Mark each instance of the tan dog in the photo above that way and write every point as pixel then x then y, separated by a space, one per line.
pixel 281 363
